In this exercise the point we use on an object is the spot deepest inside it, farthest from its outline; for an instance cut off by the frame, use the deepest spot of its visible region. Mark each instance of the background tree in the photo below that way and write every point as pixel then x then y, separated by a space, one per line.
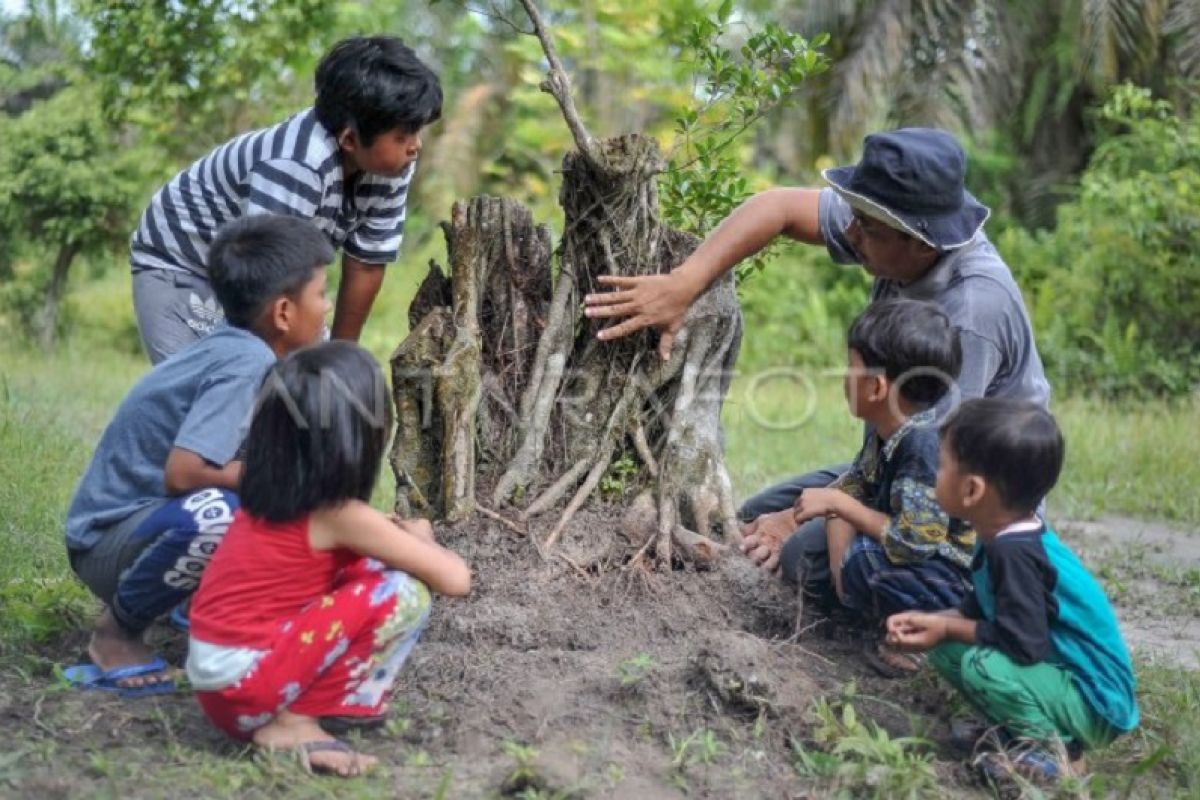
pixel 189 73
pixel 66 187
pixel 1017 77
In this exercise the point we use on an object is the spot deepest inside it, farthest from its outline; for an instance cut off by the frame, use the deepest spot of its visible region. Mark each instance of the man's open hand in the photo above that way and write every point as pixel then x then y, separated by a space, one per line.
pixel 647 301
pixel 764 537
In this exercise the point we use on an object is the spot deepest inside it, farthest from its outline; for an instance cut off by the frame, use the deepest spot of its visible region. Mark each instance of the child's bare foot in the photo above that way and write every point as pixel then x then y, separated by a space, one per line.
pixel 323 752
pixel 112 647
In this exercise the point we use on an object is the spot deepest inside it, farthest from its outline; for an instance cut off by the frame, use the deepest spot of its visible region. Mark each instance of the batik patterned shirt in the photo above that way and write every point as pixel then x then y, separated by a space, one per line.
pixel 896 477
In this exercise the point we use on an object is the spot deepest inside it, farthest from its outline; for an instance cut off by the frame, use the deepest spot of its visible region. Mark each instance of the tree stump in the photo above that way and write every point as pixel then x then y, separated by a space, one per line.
pixel 503 383
pixel 503 390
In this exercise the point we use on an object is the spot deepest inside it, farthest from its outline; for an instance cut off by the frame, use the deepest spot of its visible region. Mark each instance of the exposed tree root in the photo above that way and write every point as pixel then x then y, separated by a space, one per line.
pixel 589 485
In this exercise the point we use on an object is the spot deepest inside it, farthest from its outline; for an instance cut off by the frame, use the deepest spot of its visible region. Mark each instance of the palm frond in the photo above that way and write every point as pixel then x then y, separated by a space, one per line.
pixel 1119 38
pixel 1182 31
pixel 860 85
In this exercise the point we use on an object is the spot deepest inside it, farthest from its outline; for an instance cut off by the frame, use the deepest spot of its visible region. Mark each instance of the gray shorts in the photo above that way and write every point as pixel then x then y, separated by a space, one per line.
pixel 173 310
pixel 101 567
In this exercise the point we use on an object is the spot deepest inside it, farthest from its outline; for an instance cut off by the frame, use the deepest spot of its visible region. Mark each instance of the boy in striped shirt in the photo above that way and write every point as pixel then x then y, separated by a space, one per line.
pixel 346 164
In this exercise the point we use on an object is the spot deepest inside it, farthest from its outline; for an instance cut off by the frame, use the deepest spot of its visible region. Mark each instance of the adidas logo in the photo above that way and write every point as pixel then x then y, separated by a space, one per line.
pixel 205 310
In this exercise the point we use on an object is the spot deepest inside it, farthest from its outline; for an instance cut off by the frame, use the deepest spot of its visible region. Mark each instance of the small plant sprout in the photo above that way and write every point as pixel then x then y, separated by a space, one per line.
pixel 850 757
pixel 619 477
pixel 701 747
pixel 524 774
pixel 632 671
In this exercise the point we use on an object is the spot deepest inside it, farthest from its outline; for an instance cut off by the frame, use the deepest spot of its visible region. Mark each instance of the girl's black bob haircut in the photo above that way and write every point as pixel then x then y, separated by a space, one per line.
pixel 320 426
pixel 1014 445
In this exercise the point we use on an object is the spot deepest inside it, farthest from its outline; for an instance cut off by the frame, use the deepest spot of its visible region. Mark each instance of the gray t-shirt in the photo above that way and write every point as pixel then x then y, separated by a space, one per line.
pixel 199 399
pixel 975 288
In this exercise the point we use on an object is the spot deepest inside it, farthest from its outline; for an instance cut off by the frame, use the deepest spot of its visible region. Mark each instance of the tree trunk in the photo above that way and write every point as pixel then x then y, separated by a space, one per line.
pixel 508 393
pixel 47 318
pixel 503 390
pixel 472 344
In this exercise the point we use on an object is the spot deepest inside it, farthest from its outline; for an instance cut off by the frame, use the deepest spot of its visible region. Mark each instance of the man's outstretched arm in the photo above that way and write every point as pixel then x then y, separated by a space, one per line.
pixel 662 301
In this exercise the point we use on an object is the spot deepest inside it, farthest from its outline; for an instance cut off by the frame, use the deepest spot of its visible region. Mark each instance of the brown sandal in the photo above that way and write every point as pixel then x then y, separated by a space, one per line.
pixel 891 662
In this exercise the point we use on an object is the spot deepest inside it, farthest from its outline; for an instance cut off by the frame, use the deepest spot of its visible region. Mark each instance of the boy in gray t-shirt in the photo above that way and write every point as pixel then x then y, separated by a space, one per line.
pixel 159 492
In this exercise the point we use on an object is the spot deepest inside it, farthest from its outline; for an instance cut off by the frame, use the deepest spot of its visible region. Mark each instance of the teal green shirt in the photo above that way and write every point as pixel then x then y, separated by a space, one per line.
pixel 1035 601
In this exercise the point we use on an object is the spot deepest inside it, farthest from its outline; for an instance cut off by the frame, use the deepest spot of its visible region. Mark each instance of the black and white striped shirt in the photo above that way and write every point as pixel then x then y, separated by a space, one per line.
pixel 295 168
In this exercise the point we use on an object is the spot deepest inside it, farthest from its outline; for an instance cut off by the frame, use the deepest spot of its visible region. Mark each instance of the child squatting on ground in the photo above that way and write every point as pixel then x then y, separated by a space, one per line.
pixel 1035 648
pixel 160 489
pixel 891 546
pixel 314 599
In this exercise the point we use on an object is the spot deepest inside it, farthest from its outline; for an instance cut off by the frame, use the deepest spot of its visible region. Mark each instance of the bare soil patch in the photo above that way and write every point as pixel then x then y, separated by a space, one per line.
pixel 549 681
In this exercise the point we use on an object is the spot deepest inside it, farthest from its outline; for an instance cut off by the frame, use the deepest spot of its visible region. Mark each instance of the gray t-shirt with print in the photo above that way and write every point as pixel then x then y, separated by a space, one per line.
pixel 199 399
pixel 975 288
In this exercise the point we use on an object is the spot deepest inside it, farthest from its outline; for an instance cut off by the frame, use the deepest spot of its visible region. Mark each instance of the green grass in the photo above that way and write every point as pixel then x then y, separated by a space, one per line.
pixel 1165 749
pixel 1139 460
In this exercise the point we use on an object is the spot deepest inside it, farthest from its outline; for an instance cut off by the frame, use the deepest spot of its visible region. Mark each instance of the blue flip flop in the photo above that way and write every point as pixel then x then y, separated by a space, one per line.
pixel 180 619
pixel 89 676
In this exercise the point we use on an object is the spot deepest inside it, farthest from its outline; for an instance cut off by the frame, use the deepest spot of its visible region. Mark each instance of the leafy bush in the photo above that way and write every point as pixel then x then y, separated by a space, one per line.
pixel 1114 290
pixel 67 191
pixel 734 89
pixel 797 312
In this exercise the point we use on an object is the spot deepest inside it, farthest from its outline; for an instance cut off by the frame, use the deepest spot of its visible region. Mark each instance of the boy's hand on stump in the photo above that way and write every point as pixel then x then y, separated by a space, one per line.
pixel 913 630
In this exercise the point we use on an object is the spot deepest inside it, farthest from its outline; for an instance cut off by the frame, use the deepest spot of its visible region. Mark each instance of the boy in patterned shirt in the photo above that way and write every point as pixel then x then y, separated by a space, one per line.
pixel 891 546
pixel 346 164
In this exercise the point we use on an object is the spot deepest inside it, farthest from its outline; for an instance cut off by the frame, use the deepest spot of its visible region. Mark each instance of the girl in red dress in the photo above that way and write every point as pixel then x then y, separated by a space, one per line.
pixel 314 599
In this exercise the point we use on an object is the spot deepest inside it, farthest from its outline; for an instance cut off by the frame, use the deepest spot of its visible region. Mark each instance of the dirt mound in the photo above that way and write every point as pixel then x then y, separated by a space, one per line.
pixel 605 675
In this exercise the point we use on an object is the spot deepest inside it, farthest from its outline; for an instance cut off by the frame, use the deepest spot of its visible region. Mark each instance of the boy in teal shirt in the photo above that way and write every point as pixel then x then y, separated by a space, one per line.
pixel 1036 647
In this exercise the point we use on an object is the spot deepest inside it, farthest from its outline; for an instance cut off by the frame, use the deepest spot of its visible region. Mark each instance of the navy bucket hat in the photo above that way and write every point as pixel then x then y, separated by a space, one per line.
pixel 912 179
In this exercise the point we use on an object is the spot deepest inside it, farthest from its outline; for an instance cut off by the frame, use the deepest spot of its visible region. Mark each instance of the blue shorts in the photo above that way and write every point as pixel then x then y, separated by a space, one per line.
pixel 146 565
pixel 877 588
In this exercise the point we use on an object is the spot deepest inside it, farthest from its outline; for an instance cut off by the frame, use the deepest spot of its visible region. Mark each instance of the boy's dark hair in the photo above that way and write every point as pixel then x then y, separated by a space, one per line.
pixel 1015 445
pixel 372 84
pixel 318 434
pixel 256 259
pixel 913 342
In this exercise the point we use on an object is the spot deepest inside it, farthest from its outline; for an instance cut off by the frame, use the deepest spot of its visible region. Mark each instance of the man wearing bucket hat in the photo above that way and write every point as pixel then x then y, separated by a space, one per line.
pixel 904 214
